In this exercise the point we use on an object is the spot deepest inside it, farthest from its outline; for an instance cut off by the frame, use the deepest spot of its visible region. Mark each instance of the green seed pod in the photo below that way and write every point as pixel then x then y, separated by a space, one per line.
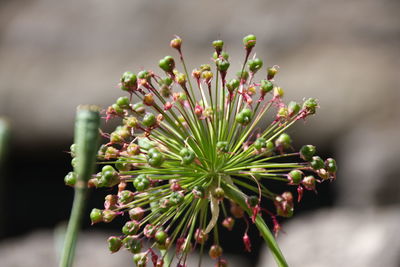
pixel 155 159
pixel 176 198
pixel 133 149
pixel 107 168
pixel 123 102
pixel 131 122
pixel 266 86
pixel 205 67
pixel 242 75
pixel 109 216
pixel 283 141
pixel 271 72
pixel 222 146
pixel 249 41
pixel 161 237
pixel 278 92
pixel 132 244
pixel 295 176
pixel 232 85
pixel 167 64
pixel 255 64
pixel 70 179
pixel 222 64
pixel 125 196
pixel 309 182
pixel 310 105
pixel 215 252
pixel 293 108
pixel 138 108
pixel 317 163
pixel 144 75
pixel 141 183
pixel 117 109
pixel 330 165
pixel 223 54
pixel 122 164
pixel 244 116
pixel 149 119
pixel 307 152
pixel 140 259
pixel 260 143
pixel 128 81
pixel 187 156
pixel 96 216
pixel 176 43
pixel 130 228
pixel 218 45
pixel 180 78
pixel 219 193
pixel 136 214
pixel 73 149
pixel 115 138
pixel 114 243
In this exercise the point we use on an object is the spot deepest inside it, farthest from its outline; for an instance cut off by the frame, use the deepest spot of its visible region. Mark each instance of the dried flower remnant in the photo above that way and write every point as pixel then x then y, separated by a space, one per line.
pixel 181 164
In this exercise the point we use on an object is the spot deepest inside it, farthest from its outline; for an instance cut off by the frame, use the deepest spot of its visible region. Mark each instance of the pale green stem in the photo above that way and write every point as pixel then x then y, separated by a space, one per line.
pixel 86 140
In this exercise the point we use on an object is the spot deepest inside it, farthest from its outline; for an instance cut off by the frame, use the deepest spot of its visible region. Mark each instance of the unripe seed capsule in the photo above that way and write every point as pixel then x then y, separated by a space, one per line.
pixel 249 41
pixel 255 64
pixel 215 252
pixel 330 165
pixel 114 243
pixel 307 152
pixel 96 216
pixel 317 163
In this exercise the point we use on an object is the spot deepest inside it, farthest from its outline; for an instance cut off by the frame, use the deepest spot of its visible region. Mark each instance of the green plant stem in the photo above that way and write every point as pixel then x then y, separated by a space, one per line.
pixel 4 144
pixel 86 141
pixel 240 199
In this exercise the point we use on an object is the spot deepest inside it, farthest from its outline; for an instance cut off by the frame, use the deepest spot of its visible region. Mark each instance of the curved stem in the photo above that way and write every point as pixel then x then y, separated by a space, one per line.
pixel 240 198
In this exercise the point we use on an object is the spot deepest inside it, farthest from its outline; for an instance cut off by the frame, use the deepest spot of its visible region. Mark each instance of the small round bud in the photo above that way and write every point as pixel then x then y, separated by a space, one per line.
pixel 222 64
pixel 123 102
pixel 283 141
pixel 232 85
pixel 131 122
pixel 128 81
pixel 307 152
pixel 133 149
pixel 309 182
pixel 180 78
pixel 260 143
pixel 167 64
pixel 244 116
pixel 310 105
pixel 144 75
pixel 136 214
pixel 228 223
pixel 161 237
pixel 317 163
pixel 255 64
pixel 138 108
pixel 141 182
pixel 242 76
pixel 176 198
pixel 176 43
pixel 187 156
pixel 278 92
pixel 109 215
pixel 295 176
pixel 215 252
pixel 70 179
pixel 200 236
pixel 293 108
pixel 249 41
pixel 155 158
pixel 271 72
pixel 330 165
pixel 266 86
pixel 96 216
pixel 132 243
pixel 218 45
pixel 149 120
pixel 125 197
pixel 117 109
pixel 207 75
pixel 219 193
pixel 130 228
pixel 114 243
pixel 149 230
pixel 222 146
pixel 148 99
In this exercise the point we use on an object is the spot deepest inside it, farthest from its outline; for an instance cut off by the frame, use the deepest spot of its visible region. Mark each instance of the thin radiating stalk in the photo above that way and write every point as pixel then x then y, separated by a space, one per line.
pixel 259 222
pixel 86 139
pixel 4 140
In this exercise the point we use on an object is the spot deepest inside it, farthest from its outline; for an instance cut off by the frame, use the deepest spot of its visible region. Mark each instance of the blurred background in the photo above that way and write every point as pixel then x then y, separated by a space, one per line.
pixel 55 55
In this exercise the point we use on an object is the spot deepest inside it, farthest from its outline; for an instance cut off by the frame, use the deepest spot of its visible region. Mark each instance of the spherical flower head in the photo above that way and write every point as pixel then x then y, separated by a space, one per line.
pixel 186 147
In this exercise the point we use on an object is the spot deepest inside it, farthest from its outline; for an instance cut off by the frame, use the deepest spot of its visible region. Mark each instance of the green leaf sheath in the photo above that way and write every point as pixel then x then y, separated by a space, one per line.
pixel 86 139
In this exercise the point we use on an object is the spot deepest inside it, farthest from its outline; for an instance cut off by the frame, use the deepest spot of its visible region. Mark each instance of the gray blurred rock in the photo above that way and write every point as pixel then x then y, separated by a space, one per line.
pixel 341 237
